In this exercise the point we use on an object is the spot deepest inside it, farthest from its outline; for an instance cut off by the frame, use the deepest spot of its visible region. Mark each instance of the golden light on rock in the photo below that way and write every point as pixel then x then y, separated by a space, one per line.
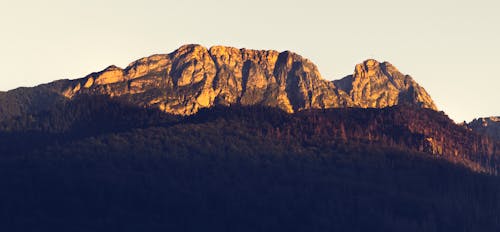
pixel 194 77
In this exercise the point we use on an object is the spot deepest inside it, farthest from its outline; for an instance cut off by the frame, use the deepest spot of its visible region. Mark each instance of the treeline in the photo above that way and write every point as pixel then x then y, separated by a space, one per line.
pixel 402 127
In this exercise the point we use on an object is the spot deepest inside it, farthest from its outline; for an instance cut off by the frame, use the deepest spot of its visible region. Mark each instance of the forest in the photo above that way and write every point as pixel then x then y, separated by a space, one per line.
pixel 94 164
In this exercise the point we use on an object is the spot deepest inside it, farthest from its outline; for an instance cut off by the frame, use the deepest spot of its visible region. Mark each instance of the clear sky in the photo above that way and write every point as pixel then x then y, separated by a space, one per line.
pixel 450 47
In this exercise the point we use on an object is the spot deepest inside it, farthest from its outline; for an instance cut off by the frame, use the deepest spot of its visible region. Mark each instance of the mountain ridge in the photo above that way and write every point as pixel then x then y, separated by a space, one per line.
pixel 241 141
pixel 194 77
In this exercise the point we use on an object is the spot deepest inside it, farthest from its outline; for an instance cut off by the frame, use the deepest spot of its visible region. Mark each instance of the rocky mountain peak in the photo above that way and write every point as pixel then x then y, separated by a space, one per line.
pixel 376 85
pixel 194 77
pixel 367 66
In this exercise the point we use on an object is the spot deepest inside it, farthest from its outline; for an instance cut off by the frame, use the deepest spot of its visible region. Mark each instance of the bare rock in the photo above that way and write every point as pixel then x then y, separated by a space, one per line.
pixel 194 77
pixel 377 85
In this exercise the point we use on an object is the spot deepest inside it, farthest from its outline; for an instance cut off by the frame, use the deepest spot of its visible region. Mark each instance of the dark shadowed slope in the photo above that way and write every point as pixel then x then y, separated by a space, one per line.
pixel 488 126
pixel 103 165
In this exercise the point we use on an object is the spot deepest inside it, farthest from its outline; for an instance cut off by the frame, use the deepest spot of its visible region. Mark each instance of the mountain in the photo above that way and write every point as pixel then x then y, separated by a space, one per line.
pixel 489 126
pixel 227 139
pixel 194 77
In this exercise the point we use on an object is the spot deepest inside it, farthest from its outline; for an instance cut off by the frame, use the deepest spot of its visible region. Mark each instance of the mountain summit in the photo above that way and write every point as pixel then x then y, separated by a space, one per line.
pixel 194 77
pixel 377 85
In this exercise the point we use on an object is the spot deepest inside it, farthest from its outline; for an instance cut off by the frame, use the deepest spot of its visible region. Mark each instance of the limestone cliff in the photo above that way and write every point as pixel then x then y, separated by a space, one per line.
pixel 194 77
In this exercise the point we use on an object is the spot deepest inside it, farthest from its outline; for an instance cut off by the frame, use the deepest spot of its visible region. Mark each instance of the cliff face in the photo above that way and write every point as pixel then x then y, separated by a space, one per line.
pixel 377 85
pixel 194 77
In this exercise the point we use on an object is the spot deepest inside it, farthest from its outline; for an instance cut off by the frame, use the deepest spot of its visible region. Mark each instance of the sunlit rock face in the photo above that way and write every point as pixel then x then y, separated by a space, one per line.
pixel 194 77
pixel 377 85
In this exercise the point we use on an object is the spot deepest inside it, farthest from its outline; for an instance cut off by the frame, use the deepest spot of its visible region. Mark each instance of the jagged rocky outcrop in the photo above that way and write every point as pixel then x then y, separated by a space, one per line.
pixel 377 85
pixel 489 126
pixel 194 77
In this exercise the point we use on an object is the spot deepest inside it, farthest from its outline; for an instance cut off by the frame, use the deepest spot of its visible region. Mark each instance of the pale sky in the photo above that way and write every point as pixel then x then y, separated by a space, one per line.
pixel 450 47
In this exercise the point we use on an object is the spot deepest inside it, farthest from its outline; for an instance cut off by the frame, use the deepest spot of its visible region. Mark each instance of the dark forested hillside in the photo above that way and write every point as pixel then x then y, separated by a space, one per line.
pixel 488 126
pixel 93 164
pixel 23 101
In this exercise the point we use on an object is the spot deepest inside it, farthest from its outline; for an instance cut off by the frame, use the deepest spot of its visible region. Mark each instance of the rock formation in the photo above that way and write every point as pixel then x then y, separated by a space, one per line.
pixel 194 77
pixel 377 85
